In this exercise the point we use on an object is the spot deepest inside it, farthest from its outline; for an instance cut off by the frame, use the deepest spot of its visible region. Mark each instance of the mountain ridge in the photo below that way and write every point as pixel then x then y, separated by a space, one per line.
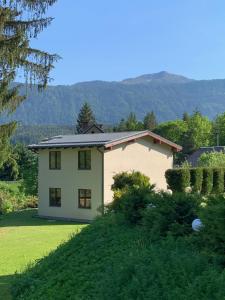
pixel 168 95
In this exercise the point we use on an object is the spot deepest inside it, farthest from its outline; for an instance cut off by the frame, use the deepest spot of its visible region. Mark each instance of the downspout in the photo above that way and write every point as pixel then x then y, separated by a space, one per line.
pixel 102 155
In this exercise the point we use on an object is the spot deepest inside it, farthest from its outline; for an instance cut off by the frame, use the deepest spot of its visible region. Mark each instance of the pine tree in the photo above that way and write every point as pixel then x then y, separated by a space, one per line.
pixel 85 118
pixel 150 122
pixel 20 21
pixel 186 117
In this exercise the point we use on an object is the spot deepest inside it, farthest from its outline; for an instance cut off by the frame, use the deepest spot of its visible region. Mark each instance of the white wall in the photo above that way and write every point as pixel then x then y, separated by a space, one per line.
pixel 70 179
pixel 144 156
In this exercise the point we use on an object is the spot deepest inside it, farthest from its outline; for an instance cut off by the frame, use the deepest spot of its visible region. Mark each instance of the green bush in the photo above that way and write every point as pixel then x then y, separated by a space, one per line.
pixel 131 203
pixel 125 180
pixel 212 233
pixel 207 181
pixel 11 200
pixel 218 181
pixel 178 179
pixel 171 214
pixel 196 177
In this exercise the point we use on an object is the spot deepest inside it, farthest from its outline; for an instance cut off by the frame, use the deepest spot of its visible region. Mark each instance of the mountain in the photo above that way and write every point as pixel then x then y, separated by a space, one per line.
pixel 169 95
pixel 159 78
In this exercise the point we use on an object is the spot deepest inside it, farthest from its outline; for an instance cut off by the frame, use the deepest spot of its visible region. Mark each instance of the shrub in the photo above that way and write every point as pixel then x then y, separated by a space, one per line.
pixel 178 179
pixel 212 233
pixel 131 203
pixel 218 181
pixel 11 200
pixel 207 181
pixel 171 214
pixel 196 177
pixel 212 160
pixel 125 180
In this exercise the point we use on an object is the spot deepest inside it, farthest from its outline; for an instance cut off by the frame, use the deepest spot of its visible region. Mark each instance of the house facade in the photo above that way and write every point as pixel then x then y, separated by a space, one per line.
pixel 76 172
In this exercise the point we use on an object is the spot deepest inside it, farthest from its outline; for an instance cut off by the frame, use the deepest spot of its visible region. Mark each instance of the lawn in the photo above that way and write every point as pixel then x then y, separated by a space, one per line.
pixel 25 238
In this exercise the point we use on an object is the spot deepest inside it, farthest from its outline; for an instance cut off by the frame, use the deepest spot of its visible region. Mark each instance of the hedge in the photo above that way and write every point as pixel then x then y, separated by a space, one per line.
pixel 207 182
pixel 202 180
pixel 218 181
pixel 178 179
pixel 196 179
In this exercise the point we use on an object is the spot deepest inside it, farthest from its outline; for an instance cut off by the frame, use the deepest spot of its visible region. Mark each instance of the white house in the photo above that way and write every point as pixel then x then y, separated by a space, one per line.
pixel 76 171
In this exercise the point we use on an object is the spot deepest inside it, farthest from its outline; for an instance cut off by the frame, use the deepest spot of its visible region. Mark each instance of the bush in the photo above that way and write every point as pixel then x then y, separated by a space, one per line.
pixel 178 179
pixel 212 233
pixel 11 200
pixel 171 214
pixel 207 181
pixel 125 180
pixel 196 176
pixel 131 203
pixel 218 181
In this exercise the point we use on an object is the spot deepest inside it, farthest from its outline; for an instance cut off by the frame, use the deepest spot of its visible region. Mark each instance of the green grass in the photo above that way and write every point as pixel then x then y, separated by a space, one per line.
pixel 24 239
pixel 111 260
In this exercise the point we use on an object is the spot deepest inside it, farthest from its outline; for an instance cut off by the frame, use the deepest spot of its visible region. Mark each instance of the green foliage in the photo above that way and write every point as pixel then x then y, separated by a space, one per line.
pixel 85 118
pixel 12 200
pixel 212 233
pixel 131 203
pixel 108 260
pixel 178 179
pixel 218 181
pixel 212 160
pixel 207 181
pixel 20 21
pixel 130 124
pixel 150 122
pixel 170 214
pixel 196 179
pixel 9 171
pixel 126 180
pixel 172 130
pixel 219 129
pixel 198 133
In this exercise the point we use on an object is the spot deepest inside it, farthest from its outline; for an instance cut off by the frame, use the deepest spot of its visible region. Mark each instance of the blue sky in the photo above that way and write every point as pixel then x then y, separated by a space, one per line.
pixel 116 39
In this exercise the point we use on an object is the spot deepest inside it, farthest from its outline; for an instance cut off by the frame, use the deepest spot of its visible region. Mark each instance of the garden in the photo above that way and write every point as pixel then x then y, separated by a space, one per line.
pixel 143 247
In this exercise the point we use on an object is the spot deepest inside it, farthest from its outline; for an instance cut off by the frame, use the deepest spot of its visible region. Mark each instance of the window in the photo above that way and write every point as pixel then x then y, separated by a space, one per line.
pixel 84 198
pixel 54 160
pixel 84 160
pixel 55 197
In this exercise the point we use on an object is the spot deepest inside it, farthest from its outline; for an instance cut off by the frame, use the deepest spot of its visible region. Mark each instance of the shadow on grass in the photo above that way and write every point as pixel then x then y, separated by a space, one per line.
pixel 29 217
pixel 5 289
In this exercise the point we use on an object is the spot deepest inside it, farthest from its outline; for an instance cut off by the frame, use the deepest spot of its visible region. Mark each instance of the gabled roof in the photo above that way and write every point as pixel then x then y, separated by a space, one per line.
pixel 92 126
pixel 106 140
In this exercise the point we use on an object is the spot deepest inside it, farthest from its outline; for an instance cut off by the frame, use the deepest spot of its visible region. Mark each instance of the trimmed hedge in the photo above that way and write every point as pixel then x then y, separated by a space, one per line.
pixel 202 180
pixel 218 181
pixel 178 179
pixel 196 179
pixel 207 182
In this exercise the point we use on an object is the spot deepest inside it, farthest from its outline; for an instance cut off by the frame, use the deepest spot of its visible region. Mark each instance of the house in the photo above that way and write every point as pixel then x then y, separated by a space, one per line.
pixel 194 157
pixel 94 128
pixel 76 171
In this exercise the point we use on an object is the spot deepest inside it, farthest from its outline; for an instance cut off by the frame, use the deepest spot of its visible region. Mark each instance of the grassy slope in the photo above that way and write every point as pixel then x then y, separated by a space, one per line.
pixel 24 239
pixel 111 261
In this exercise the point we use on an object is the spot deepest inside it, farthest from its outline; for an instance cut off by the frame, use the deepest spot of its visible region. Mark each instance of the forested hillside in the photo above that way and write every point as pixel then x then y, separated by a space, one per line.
pixel 167 94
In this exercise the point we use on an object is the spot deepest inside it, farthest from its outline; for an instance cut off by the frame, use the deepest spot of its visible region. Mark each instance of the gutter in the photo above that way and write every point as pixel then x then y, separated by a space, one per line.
pixel 102 154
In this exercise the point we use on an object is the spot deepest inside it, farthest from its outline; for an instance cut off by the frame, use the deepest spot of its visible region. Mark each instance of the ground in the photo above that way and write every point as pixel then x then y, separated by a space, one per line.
pixel 25 238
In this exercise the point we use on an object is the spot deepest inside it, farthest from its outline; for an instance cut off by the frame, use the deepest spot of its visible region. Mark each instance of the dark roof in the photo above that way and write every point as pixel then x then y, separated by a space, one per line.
pixel 98 126
pixel 107 140
pixel 193 158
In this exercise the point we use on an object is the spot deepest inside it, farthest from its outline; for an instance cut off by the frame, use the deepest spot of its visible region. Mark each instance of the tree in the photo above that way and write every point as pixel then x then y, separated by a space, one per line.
pixel 20 21
pixel 150 121
pixel 172 130
pixel 198 133
pixel 85 118
pixel 218 132
pixel 185 117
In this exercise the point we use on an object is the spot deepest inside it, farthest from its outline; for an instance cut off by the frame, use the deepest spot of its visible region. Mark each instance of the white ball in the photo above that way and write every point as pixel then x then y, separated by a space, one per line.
pixel 196 224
